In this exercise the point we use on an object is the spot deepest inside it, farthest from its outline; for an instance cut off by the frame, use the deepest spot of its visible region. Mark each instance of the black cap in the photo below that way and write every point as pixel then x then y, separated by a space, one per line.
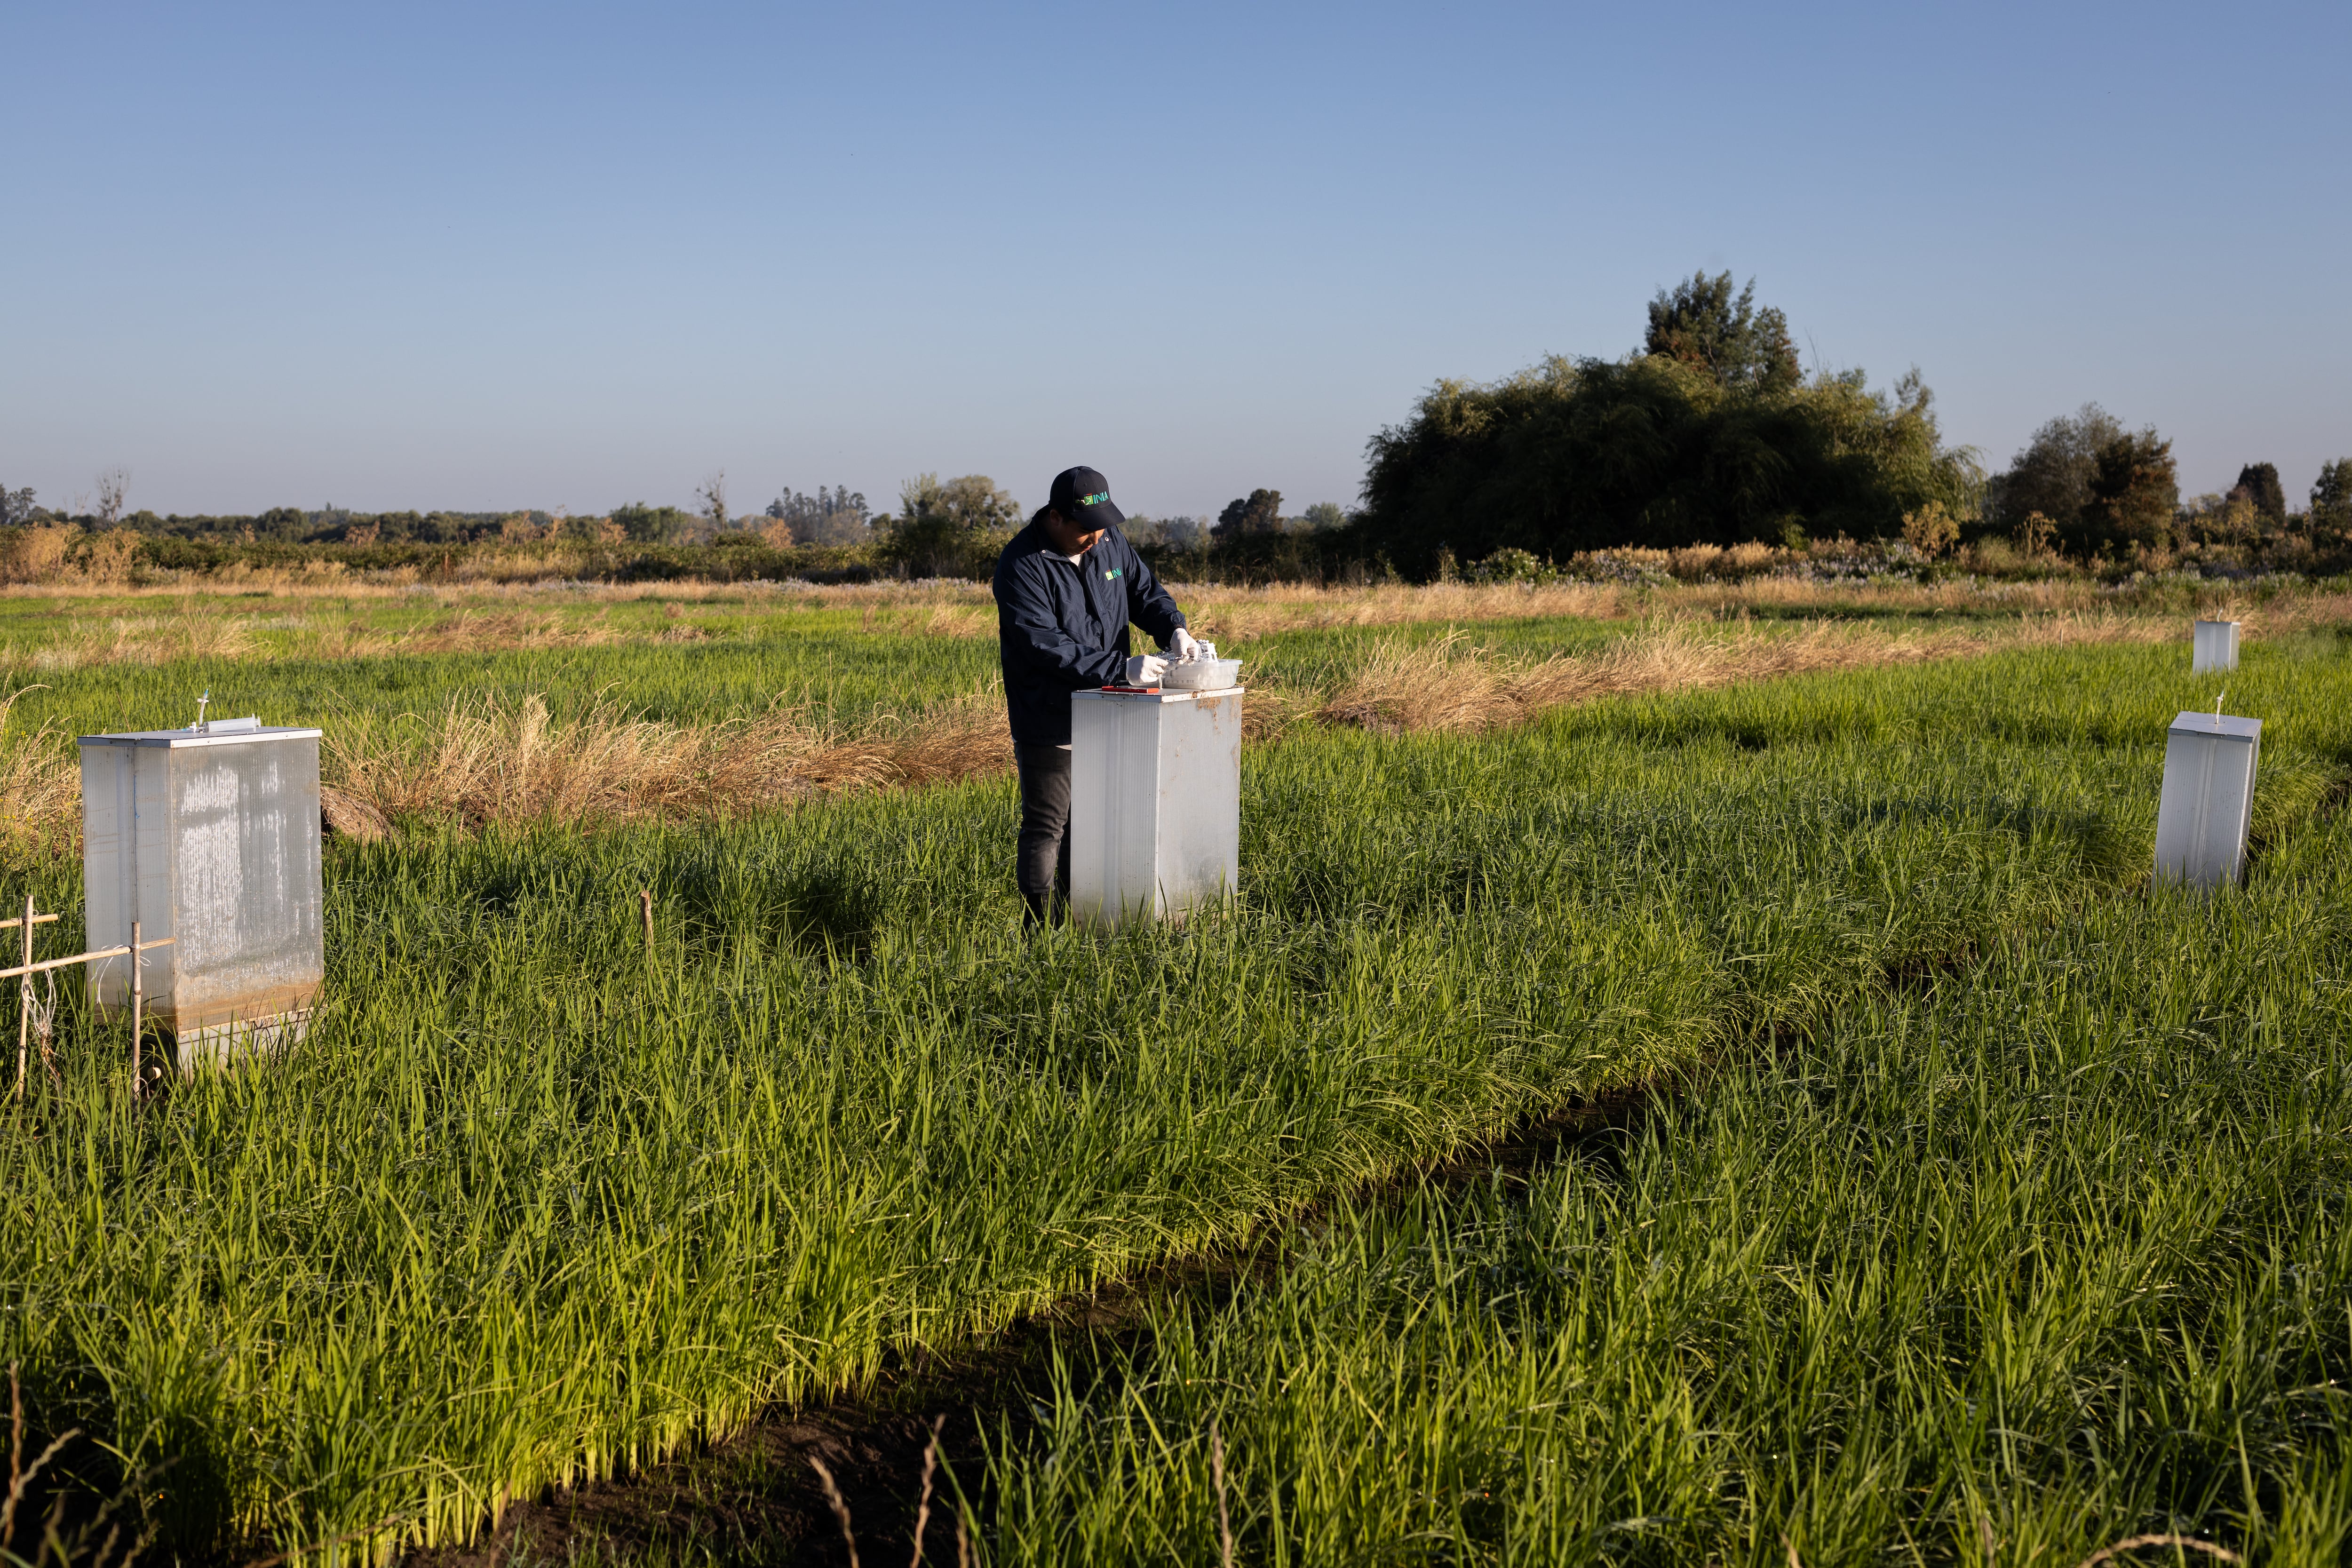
pixel 1083 496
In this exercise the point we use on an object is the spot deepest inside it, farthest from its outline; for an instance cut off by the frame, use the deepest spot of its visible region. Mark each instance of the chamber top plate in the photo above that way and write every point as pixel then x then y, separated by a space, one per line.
pixel 1148 694
pixel 2227 725
pixel 221 733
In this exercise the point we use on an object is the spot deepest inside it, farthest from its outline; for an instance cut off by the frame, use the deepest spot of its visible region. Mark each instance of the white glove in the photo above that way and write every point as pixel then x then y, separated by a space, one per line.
pixel 1184 646
pixel 1145 669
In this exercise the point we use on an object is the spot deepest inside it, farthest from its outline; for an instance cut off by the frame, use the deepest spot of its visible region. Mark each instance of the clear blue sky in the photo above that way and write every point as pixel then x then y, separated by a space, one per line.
pixel 489 256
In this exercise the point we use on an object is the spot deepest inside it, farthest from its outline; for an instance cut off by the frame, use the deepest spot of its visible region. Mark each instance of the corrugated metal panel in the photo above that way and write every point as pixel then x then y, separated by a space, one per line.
pixel 210 837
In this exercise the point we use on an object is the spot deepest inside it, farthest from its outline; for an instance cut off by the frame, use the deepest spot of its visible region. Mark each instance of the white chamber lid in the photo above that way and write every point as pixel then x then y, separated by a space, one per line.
pixel 2228 726
pixel 1153 694
pixel 218 732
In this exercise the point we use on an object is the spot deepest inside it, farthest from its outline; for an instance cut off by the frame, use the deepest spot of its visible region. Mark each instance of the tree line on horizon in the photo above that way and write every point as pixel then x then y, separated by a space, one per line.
pixel 1709 434
pixel 941 527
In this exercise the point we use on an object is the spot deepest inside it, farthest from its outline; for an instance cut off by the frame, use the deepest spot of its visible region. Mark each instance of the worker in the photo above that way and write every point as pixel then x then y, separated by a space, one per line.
pixel 1065 589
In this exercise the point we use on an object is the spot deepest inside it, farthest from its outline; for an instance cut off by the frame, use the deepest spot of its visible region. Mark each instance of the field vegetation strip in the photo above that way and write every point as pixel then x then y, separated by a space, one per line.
pixel 1987 1260
pixel 481 761
pixel 2042 1260
pixel 62 625
pixel 752 1496
pixel 544 1212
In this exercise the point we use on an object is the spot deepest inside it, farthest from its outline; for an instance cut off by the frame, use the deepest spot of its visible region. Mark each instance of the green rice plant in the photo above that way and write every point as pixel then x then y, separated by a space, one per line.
pixel 840 678
pixel 534 1204
pixel 2006 1259
pixel 817 662
pixel 2048 1257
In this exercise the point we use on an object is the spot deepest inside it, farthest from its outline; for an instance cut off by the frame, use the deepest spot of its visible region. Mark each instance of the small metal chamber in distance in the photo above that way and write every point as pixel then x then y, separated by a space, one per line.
pixel 2208 799
pixel 2212 648
pixel 209 836
pixel 1155 802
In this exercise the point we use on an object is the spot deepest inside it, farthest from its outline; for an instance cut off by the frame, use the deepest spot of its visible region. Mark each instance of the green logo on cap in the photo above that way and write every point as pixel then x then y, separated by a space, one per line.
pixel 1093 500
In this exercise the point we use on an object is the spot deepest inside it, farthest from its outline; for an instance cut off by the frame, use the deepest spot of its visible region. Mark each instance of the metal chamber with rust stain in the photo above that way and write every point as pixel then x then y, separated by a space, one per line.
pixel 209 836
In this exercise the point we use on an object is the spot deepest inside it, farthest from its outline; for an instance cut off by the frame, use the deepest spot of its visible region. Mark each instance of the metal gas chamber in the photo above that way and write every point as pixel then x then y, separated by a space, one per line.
pixel 209 836
pixel 1155 801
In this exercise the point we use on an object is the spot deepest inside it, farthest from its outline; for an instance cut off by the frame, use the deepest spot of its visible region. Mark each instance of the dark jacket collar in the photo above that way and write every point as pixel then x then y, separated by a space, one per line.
pixel 1034 540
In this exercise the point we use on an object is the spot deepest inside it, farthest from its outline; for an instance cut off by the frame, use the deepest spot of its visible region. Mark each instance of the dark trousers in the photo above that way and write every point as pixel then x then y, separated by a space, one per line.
pixel 1042 869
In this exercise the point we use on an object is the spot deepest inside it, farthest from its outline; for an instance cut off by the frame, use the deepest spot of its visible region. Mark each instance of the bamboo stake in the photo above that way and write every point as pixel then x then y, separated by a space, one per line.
pixel 138 998
pixel 25 999
pixel 81 958
pixel 23 974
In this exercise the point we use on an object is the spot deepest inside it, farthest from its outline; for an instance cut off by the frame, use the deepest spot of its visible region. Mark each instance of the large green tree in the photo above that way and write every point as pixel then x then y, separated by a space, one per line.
pixel 1684 446
pixel 833 516
pixel 1260 512
pixel 645 524
pixel 2135 494
pixel 2331 501
pixel 2259 483
pixel 951 527
pixel 1699 322
pixel 2052 475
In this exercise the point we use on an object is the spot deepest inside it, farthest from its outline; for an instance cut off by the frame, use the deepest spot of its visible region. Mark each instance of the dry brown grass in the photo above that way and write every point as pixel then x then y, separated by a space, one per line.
pixel 328 580
pixel 477 621
pixel 1452 685
pixel 34 554
pixel 468 631
pixel 484 762
pixel 140 639
pixel 57 554
pixel 1235 615
pixel 967 609
pixel 40 790
pixel 202 631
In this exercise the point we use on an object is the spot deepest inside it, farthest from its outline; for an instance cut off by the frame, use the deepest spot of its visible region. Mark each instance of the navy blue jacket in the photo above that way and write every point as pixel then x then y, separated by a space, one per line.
pixel 1062 627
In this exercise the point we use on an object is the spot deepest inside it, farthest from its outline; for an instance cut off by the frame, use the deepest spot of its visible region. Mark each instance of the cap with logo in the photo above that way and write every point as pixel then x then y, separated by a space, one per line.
pixel 1083 496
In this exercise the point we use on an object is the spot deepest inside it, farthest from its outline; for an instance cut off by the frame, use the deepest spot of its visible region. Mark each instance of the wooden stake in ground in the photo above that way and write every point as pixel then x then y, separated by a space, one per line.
pixel 27 970
pixel 646 903
pixel 25 999
pixel 25 991
pixel 1217 1474
pixel 137 1000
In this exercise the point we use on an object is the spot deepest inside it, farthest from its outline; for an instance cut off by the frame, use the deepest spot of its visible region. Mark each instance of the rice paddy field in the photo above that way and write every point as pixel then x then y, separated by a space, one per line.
pixel 1957 1194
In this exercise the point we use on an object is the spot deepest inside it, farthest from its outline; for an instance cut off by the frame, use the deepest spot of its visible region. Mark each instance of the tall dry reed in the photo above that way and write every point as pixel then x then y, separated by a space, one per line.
pixel 40 790
pixel 140 639
pixel 484 762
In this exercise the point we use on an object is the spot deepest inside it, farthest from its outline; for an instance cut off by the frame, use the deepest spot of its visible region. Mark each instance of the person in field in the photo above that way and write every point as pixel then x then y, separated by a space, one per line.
pixel 1067 587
